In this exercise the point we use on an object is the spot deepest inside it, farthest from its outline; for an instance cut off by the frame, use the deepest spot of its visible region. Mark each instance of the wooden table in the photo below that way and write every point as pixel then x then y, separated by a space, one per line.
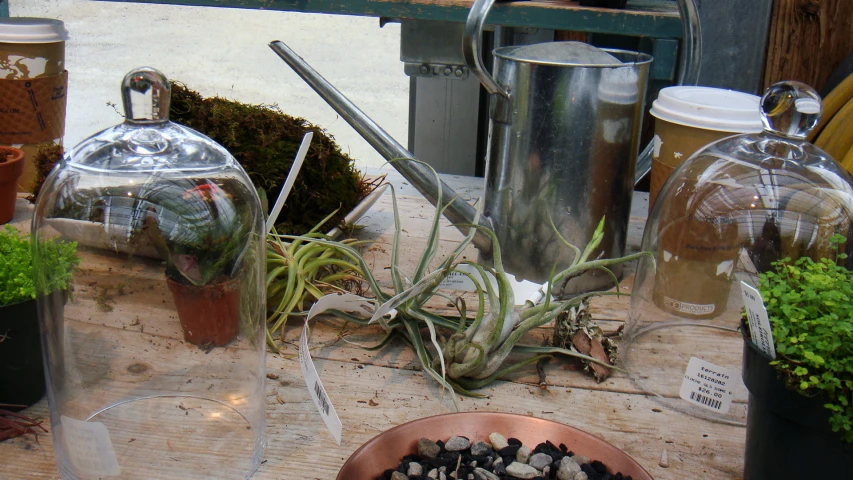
pixel 373 391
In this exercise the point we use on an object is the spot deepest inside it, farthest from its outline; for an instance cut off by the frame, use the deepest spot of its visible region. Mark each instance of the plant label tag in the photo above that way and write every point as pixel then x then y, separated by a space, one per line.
pixel 315 388
pixel 89 448
pixel 708 385
pixel 346 303
pixel 457 280
pixel 759 323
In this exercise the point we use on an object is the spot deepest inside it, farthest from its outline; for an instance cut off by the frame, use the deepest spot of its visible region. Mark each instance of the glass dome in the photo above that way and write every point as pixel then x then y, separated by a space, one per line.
pixel 155 353
pixel 722 217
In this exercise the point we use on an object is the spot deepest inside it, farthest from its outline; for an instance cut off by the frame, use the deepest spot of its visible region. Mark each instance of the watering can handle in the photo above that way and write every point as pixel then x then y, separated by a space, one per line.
pixel 471 46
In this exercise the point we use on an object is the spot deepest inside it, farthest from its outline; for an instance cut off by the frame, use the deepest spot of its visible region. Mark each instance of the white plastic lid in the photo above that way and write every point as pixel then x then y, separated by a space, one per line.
pixel 32 30
pixel 709 108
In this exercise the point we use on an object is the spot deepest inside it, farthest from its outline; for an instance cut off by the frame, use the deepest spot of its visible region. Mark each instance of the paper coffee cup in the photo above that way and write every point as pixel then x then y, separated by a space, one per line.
pixel 689 118
pixel 32 86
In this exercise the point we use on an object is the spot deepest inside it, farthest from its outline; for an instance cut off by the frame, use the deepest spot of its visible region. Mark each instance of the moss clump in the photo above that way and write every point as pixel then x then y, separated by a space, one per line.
pixel 46 157
pixel 265 140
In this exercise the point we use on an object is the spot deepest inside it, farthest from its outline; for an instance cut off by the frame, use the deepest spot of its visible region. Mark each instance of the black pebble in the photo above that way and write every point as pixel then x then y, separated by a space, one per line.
pixel 598 466
pixel 513 441
pixel 509 451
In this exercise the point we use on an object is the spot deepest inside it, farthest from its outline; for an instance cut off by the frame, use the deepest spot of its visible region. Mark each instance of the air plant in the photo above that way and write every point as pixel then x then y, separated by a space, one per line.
pixel 299 272
pixel 465 353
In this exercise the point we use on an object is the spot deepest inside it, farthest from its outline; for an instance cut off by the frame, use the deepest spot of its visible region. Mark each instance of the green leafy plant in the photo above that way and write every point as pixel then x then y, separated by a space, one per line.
pixel 16 266
pixel 469 351
pixel 810 306
pixel 200 231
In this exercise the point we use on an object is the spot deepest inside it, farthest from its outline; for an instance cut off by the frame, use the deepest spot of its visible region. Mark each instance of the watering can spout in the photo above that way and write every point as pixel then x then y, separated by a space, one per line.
pixel 458 212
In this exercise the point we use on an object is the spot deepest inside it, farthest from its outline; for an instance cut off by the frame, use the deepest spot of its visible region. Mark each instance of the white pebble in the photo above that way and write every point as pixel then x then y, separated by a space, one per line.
pixel 521 470
pixel 539 461
pixel 568 469
pixel 457 444
pixel 433 474
pixel 523 454
pixel 580 459
pixel 482 474
pixel 415 469
pixel 581 476
pixel 498 441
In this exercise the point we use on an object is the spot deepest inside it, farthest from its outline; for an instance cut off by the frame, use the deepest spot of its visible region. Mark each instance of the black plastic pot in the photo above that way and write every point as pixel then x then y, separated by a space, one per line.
pixel 787 434
pixel 21 367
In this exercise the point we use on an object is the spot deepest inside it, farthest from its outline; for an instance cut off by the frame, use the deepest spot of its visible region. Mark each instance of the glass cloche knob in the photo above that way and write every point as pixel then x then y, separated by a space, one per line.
pixel 145 93
pixel 790 109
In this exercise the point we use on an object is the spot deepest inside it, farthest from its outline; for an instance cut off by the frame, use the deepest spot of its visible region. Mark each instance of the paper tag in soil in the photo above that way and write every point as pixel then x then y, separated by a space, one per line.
pixel 759 323
pixel 89 448
pixel 708 385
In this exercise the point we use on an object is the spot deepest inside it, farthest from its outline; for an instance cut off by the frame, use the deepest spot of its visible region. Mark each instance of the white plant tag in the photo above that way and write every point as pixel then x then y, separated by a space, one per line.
pixel 523 290
pixel 457 280
pixel 759 323
pixel 708 385
pixel 346 303
pixel 89 448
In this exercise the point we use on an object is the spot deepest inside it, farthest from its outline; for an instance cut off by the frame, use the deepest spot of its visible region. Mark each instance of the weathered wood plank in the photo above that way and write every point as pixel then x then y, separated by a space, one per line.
pixel 373 391
pixel 808 39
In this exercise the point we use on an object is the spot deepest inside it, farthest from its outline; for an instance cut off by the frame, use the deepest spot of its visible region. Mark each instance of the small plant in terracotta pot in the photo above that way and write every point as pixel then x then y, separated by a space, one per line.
pixel 21 372
pixel 11 168
pixel 203 237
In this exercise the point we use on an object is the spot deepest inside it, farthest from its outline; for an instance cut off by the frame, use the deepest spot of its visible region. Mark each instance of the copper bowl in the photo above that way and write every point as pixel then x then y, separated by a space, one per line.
pixel 385 450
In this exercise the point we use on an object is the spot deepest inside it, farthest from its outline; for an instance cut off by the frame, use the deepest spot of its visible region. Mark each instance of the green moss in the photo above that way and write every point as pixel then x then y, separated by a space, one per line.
pixel 264 140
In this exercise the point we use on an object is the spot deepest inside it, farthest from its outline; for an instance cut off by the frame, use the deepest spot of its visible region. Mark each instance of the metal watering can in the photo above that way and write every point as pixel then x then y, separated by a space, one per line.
pixel 563 138
pixel 563 142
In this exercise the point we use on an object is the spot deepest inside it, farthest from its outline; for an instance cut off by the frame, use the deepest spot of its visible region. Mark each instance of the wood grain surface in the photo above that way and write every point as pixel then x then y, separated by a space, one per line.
pixel 373 391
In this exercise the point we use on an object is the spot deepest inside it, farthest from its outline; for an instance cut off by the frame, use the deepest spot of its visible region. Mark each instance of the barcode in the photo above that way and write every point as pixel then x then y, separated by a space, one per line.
pixel 715 404
pixel 321 396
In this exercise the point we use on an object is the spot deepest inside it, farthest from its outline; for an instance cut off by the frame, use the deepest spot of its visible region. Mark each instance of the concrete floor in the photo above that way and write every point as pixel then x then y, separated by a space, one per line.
pixel 219 51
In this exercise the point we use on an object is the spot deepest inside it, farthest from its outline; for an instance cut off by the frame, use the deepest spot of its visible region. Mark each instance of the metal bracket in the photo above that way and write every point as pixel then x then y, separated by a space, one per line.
pixel 435 70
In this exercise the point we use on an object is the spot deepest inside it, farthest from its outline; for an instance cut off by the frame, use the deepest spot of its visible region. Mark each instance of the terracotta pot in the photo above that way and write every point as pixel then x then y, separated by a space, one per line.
pixel 21 367
pixel 386 450
pixel 10 170
pixel 209 314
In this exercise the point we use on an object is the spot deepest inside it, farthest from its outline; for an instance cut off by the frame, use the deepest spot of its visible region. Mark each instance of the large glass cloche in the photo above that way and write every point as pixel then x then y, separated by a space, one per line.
pixel 155 350
pixel 724 216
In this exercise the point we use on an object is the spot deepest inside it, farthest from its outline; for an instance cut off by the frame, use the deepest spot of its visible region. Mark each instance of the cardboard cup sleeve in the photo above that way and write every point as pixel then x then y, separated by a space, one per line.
pixel 32 110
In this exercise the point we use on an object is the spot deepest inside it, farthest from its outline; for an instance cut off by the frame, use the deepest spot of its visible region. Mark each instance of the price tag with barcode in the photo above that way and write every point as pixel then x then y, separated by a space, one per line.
pixel 345 303
pixel 89 447
pixel 759 323
pixel 707 385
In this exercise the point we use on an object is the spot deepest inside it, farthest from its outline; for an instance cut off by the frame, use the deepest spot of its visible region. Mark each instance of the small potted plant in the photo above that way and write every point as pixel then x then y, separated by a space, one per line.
pixel 21 372
pixel 203 236
pixel 801 402
pixel 11 168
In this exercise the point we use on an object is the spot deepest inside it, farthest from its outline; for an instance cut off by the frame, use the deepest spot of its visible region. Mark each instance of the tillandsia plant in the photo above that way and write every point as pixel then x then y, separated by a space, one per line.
pixel 16 266
pixel 469 351
pixel 810 307
pixel 300 272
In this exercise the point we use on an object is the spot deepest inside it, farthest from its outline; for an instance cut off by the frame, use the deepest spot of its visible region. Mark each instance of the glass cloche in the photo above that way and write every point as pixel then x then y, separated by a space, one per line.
pixel 155 353
pixel 724 216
